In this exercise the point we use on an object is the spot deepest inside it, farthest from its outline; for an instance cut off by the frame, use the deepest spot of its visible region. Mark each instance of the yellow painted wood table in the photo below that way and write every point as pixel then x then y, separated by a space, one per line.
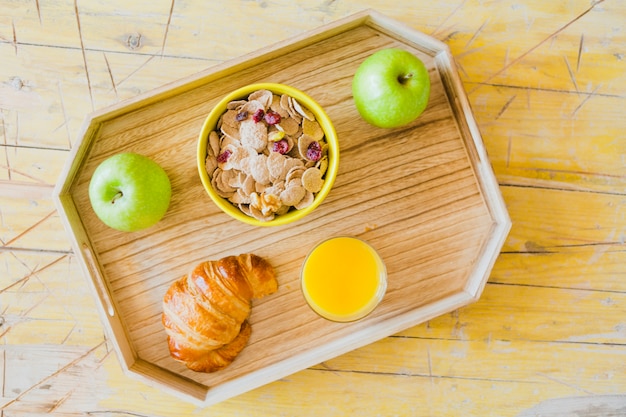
pixel 547 85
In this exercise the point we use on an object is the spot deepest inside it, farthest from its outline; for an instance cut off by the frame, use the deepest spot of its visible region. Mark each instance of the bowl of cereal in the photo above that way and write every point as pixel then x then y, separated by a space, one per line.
pixel 268 154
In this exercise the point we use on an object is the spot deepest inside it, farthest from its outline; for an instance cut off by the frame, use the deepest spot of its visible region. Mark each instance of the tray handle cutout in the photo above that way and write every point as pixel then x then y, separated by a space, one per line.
pixel 101 289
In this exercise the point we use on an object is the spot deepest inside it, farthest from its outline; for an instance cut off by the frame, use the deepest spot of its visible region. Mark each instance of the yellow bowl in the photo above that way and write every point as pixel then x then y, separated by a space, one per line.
pixel 321 117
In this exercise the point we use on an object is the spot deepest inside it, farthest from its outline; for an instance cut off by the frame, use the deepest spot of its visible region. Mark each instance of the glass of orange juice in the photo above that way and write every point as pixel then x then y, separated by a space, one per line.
pixel 343 279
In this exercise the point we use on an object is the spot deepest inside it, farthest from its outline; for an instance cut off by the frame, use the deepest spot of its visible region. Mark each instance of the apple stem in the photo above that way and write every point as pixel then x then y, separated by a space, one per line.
pixel 117 196
pixel 402 79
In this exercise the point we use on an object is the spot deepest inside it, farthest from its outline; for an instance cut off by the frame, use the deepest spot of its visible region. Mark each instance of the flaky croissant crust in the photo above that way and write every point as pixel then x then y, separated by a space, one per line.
pixel 205 312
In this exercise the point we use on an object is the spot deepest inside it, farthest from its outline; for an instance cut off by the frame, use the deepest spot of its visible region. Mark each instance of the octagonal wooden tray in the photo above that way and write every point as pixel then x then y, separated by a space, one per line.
pixel 424 196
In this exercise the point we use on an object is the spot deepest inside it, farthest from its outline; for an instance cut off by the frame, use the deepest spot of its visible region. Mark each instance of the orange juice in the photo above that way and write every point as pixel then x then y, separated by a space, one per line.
pixel 343 279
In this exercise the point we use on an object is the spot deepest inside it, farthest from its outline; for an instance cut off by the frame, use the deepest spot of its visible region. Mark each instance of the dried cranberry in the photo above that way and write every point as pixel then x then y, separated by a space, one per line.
pixel 223 157
pixel 314 151
pixel 241 116
pixel 280 146
pixel 258 115
pixel 272 118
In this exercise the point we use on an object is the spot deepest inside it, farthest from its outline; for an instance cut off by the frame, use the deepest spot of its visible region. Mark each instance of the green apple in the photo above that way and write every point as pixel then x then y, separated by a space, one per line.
pixel 129 192
pixel 391 88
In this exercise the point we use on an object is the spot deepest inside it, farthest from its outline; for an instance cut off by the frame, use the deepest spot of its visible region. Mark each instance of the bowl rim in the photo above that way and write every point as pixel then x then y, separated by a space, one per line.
pixel 322 118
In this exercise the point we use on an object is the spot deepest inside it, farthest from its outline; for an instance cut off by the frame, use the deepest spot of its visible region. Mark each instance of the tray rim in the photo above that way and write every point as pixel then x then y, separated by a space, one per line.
pixel 196 392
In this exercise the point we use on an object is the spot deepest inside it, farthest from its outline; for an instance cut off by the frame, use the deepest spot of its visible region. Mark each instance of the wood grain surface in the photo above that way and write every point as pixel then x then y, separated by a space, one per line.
pixel 547 85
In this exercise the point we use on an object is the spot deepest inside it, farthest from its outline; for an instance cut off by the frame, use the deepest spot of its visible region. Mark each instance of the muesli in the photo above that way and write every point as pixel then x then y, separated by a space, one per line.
pixel 268 155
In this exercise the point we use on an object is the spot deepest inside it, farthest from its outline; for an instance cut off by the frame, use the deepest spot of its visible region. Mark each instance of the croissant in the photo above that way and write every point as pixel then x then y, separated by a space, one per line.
pixel 205 312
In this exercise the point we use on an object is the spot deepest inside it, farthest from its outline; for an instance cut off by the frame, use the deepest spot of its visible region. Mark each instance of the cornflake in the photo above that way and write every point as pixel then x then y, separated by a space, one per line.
pixel 250 168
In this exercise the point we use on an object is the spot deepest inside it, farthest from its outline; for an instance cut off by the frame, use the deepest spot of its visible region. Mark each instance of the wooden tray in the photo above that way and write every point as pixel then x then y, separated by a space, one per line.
pixel 424 196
